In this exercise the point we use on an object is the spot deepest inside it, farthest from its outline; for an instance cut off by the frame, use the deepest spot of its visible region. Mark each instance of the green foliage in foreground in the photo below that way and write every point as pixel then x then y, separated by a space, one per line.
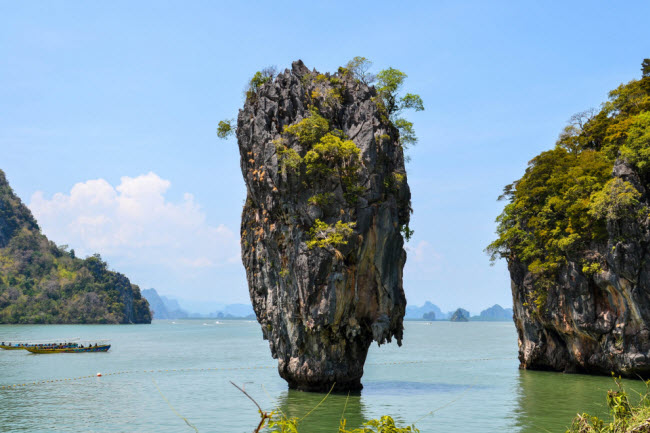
pixel 273 422
pixel 626 417
pixel 44 283
pixel 563 202
pixel 385 424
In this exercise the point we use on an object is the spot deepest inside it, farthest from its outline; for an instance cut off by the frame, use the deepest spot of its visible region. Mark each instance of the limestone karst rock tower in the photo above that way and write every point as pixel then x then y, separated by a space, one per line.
pixel 576 236
pixel 327 197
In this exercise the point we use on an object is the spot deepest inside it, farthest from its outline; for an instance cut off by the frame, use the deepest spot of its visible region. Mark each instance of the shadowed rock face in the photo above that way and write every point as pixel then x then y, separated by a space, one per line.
pixel 593 323
pixel 321 308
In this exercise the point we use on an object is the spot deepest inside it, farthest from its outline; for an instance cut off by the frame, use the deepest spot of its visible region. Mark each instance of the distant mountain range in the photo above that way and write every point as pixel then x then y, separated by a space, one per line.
pixel 430 311
pixel 416 313
pixel 168 308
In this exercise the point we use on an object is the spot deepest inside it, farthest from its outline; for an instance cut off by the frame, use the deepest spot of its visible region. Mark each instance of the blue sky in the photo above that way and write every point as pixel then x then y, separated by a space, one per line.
pixel 108 113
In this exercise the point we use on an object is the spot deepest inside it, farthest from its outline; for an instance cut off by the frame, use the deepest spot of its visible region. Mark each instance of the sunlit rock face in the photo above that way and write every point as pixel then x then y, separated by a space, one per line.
pixel 595 323
pixel 321 307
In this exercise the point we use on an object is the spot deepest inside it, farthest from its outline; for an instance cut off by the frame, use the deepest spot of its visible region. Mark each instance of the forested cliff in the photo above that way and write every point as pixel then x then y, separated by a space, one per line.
pixel 43 283
pixel 576 236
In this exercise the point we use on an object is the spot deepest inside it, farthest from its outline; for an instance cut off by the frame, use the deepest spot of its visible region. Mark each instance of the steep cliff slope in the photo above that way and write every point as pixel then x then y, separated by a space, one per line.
pixel 161 307
pixel 576 235
pixel 327 197
pixel 42 283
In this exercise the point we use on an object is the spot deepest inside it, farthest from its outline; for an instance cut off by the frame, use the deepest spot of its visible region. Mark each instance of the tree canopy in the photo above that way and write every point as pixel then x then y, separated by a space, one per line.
pixel 568 194
pixel 41 282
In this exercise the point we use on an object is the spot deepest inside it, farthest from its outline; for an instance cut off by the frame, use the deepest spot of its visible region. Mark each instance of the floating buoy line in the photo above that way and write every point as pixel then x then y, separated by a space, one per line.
pixel 182 370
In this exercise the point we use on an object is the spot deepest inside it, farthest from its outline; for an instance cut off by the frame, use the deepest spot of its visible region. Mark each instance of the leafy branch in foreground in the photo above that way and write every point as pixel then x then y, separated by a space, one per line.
pixel 626 418
pixel 283 424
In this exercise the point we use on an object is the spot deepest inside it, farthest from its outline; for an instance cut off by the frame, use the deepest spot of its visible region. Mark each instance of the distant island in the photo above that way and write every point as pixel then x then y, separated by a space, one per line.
pixel 167 308
pixel 41 282
pixel 162 307
pixel 430 312
pixel 460 315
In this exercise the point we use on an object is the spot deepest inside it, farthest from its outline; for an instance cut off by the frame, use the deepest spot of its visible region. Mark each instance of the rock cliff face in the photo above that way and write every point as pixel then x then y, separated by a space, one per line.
pixel 320 233
pixel 576 235
pixel 592 323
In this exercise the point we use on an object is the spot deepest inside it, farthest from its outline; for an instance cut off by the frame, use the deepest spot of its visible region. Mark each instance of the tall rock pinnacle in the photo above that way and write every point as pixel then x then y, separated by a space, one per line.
pixel 327 197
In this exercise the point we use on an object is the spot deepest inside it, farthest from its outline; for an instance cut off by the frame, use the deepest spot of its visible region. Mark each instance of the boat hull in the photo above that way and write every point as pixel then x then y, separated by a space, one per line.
pixel 2 346
pixel 102 348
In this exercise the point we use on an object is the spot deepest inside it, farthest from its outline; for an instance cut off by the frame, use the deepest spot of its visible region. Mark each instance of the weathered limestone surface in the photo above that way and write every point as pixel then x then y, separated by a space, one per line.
pixel 321 308
pixel 592 323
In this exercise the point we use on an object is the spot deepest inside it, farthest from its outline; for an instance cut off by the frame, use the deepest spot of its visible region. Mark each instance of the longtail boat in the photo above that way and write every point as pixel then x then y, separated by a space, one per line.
pixel 76 348
pixel 12 345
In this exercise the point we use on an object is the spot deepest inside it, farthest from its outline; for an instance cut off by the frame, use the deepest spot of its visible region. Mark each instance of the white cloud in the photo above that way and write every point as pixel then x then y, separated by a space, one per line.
pixel 135 221
pixel 423 260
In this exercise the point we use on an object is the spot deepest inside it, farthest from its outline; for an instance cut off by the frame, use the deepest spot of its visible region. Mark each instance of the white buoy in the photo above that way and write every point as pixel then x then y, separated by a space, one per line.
pixel 99 375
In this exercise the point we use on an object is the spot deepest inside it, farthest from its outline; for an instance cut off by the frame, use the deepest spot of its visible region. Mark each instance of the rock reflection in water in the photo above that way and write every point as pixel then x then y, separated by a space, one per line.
pixel 413 388
pixel 548 401
pixel 325 418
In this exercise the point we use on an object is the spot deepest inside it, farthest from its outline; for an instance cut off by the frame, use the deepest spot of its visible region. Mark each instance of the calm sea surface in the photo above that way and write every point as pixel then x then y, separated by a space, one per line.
pixel 465 372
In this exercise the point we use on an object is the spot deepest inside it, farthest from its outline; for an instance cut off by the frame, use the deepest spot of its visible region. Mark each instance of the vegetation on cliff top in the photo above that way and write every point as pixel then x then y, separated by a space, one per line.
pixel 564 200
pixel 330 157
pixel 44 283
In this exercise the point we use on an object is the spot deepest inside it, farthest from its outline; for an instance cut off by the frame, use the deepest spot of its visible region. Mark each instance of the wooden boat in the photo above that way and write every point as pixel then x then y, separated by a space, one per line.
pixel 62 349
pixel 12 345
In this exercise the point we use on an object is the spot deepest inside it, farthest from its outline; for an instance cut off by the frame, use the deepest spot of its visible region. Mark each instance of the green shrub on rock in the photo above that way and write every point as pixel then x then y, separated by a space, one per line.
pixel 323 235
pixel 310 129
pixel 616 200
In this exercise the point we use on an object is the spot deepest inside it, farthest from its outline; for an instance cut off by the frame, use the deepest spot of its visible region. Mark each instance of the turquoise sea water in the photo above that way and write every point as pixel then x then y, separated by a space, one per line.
pixel 466 372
